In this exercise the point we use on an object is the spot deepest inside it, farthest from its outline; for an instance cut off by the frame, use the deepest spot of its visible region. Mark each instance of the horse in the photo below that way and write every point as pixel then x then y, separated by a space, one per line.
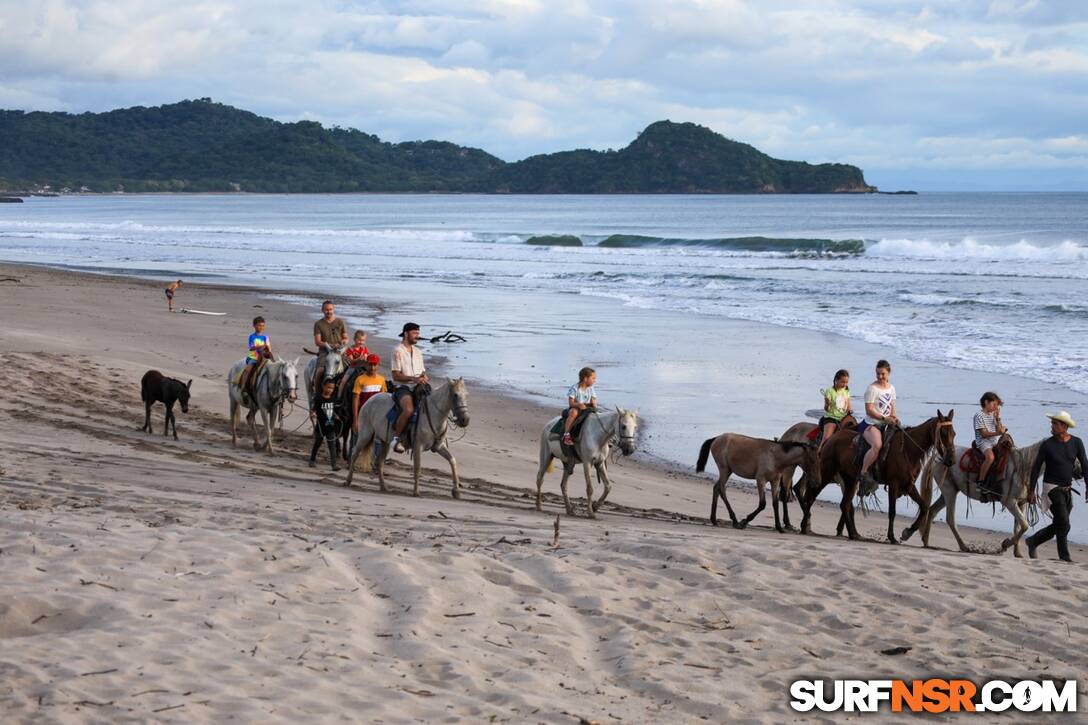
pixel 592 448
pixel 157 388
pixel 1015 487
pixel 434 411
pixel 277 382
pixel 759 459
pixel 902 462
pixel 334 367
pixel 800 433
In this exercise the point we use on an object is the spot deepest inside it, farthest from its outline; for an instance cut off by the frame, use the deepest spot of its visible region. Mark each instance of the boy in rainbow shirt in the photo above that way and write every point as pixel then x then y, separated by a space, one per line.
pixel 260 349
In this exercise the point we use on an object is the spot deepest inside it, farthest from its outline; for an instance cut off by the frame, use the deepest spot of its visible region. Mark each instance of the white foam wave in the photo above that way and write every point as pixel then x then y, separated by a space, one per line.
pixel 971 249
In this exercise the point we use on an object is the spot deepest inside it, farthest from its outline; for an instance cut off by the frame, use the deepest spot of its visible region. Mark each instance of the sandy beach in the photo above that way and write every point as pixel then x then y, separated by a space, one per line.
pixel 147 579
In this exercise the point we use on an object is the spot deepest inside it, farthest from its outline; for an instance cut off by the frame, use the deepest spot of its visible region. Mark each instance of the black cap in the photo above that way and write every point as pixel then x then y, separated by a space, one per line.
pixel 408 327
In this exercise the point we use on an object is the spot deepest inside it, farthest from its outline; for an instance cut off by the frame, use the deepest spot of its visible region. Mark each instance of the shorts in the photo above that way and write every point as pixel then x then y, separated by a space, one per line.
pixel 400 391
pixel 169 294
pixel 825 420
pixel 865 425
pixel 986 444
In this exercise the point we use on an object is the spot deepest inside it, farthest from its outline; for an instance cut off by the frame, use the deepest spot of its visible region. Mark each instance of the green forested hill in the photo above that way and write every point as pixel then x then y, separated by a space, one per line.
pixel 205 146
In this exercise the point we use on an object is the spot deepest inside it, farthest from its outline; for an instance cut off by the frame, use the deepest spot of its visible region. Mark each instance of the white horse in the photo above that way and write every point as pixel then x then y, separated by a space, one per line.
pixel 276 383
pixel 593 446
pixel 333 361
pixel 952 480
pixel 376 430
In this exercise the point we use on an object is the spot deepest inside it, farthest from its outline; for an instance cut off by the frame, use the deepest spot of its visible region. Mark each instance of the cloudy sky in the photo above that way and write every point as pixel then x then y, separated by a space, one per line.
pixel 963 94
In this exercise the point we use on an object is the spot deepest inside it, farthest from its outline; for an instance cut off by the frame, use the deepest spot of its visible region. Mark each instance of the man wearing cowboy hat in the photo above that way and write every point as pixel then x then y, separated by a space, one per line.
pixel 1057 454
pixel 408 373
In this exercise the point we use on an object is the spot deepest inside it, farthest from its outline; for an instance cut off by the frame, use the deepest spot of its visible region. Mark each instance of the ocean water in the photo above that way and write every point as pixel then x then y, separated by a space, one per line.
pixel 707 312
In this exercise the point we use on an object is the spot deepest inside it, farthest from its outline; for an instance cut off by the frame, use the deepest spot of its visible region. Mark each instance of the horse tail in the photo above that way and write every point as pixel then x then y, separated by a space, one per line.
pixel 704 454
pixel 366 465
pixel 551 466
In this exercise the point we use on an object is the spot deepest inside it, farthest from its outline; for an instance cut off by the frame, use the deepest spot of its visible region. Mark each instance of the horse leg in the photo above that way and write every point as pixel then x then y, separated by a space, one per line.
pixel 251 418
pixel 269 421
pixel 812 490
pixel 166 420
pixel 775 485
pixel 563 488
pixel 719 490
pixel 417 459
pixel 950 518
pixel 938 506
pixel 1019 526
pixel 233 423
pixel 849 489
pixel 784 497
pixel 602 476
pixel 923 512
pixel 445 453
pixel 591 512
pixel 893 495
pixel 545 461
pixel 760 484
pixel 147 416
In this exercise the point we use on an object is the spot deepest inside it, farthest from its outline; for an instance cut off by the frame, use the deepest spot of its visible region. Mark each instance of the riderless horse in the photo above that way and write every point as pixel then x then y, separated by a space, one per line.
pixel 429 434
pixel 276 383
pixel 591 449
pixel 761 460
pixel 902 462
pixel 157 388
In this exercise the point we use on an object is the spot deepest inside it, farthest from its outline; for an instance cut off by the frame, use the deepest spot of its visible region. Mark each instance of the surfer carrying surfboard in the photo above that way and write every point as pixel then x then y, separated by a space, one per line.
pixel 170 290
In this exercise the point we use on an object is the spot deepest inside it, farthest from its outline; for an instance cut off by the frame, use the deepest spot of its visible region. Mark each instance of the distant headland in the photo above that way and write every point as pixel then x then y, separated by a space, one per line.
pixel 203 146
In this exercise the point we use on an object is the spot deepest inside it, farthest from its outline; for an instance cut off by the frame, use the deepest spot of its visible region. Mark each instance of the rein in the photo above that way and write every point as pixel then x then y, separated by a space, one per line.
pixel 937 442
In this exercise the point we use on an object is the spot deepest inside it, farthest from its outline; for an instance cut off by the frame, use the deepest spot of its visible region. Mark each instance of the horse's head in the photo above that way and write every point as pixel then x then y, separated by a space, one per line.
pixel 288 380
pixel 183 396
pixel 626 430
pixel 945 438
pixel 333 362
pixel 459 401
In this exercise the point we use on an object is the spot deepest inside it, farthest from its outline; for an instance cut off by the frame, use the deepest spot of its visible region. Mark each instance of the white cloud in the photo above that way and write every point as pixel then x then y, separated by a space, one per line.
pixel 876 82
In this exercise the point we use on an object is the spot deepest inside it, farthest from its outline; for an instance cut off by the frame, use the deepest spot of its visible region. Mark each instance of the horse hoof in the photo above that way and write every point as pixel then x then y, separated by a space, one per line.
pixel 739 524
pixel 456 493
pixel 790 528
pixel 779 529
pixel 893 541
pixel 907 533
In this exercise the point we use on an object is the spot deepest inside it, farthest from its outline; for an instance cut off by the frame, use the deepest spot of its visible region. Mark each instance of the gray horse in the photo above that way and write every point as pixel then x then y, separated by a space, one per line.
pixel 593 446
pixel 1016 492
pixel 276 383
pixel 333 361
pixel 375 431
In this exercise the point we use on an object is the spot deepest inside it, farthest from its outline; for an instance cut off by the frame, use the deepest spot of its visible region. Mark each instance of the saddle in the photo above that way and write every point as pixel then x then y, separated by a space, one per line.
pixel 971 463
pixel 570 453
pixel 861 447
pixel 419 393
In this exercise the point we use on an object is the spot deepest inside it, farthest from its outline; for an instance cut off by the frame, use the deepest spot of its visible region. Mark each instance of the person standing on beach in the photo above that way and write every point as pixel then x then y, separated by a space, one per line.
pixel 408 374
pixel 326 420
pixel 330 333
pixel 988 431
pixel 1057 455
pixel 837 405
pixel 170 290
pixel 879 414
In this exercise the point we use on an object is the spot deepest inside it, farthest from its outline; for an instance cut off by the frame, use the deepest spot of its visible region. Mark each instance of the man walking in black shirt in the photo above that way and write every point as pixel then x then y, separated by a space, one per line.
pixel 1057 455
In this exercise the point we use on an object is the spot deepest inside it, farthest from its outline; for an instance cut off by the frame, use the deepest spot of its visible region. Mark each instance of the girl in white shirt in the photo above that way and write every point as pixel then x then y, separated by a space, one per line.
pixel 879 413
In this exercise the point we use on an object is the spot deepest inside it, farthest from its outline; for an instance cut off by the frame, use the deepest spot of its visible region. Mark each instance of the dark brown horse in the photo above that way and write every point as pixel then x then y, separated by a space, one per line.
pixel 157 388
pixel 902 462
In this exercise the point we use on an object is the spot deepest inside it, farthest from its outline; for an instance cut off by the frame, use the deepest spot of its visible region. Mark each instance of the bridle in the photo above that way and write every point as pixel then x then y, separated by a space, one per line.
pixel 938 443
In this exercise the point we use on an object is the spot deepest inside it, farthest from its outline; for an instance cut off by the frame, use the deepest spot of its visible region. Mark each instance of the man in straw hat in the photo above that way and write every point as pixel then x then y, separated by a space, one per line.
pixel 1058 454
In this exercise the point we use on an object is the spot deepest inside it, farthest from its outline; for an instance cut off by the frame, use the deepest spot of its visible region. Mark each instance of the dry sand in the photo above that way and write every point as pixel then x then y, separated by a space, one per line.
pixel 147 579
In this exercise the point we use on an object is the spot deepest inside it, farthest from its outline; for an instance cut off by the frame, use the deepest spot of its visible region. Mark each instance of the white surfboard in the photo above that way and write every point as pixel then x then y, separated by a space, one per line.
pixel 816 413
pixel 202 312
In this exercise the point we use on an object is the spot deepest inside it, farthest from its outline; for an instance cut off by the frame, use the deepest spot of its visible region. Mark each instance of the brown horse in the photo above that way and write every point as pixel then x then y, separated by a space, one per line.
pixel 906 450
pixel 758 459
pixel 800 433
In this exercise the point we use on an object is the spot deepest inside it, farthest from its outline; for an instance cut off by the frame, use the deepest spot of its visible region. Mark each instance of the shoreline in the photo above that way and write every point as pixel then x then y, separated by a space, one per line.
pixel 498 396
